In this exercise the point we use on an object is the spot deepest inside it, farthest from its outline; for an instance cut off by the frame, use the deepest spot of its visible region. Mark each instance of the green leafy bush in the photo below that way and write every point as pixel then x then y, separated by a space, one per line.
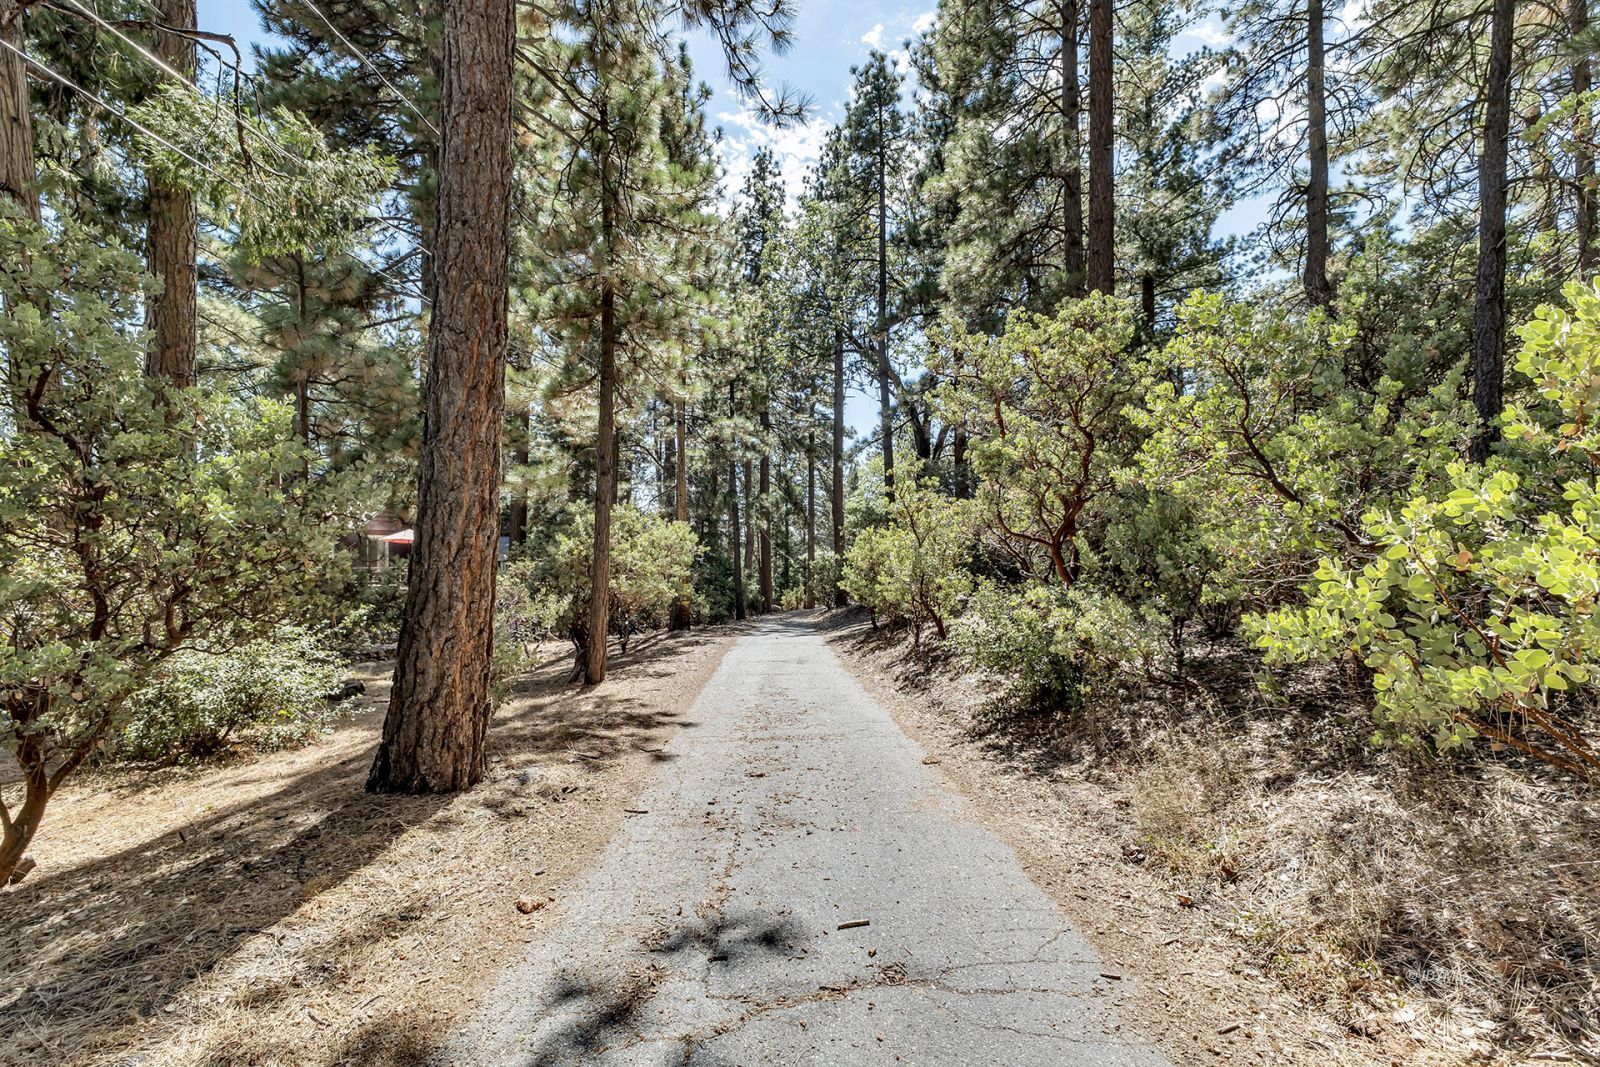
pixel 1156 556
pixel 1477 616
pixel 914 568
pixel 136 519
pixel 366 609
pixel 652 560
pixel 867 576
pixel 711 603
pixel 1057 649
pixel 1012 634
pixel 1044 403
pixel 1275 451
pixel 266 695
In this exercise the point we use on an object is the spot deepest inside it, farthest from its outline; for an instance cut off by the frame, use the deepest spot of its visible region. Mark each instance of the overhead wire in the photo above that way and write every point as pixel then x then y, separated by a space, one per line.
pixel 362 56
pixel 402 286
pixel 183 79
pixel 63 80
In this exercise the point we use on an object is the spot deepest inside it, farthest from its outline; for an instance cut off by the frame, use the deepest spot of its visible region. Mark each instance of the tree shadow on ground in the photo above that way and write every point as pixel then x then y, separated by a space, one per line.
pixel 92 949
pixel 582 1013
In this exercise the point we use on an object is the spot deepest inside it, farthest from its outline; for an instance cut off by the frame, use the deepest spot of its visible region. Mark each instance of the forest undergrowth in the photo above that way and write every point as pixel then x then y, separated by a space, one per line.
pixel 1436 910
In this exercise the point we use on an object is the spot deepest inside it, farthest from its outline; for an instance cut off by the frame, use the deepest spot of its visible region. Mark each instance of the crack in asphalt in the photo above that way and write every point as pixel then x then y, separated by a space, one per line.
pixel 708 932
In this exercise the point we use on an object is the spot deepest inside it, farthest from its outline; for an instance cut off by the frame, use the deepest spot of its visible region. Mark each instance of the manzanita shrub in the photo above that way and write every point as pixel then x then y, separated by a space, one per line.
pixel 270 694
pixel 1477 613
pixel 136 519
pixel 1045 405
pixel 652 560
pixel 913 568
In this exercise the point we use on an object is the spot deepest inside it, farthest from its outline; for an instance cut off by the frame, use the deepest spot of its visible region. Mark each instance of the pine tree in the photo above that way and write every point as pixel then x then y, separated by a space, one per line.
pixel 174 232
pixel 368 73
pixel 631 239
pixel 1171 198
pixel 874 179
pixel 1010 177
pixel 1277 66
pixel 439 708
pixel 1102 146
pixel 18 172
pixel 759 217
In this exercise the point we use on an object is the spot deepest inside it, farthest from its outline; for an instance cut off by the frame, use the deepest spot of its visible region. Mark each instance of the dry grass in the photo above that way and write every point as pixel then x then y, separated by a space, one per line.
pixel 1460 902
pixel 271 912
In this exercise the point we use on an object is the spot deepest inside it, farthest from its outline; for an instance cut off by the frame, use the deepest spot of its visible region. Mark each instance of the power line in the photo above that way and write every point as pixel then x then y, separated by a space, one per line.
pixel 142 128
pixel 264 138
pixel 261 136
pixel 168 69
pixel 373 67
pixel 136 124
pixel 123 115
pixel 400 285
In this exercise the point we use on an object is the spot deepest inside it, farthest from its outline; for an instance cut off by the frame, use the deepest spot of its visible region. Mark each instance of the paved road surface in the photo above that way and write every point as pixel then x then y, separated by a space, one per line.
pixel 708 933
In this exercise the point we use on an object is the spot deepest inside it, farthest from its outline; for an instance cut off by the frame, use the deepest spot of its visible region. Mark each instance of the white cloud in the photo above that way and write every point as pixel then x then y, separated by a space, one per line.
pixel 1210 34
pixel 796 148
pixel 924 22
pixel 873 38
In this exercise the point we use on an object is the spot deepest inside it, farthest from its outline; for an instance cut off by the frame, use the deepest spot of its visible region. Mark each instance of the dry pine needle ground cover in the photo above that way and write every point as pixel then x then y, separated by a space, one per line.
pixel 271 912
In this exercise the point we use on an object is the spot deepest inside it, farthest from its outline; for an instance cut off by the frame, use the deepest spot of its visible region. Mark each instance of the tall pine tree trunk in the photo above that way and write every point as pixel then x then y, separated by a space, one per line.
pixel 605 487
pixel 173 232
pixel 18 184
pixel 881 323
pixel 750 518
pixel 811 514
pixel 666 464
pixel 439 709
pixel 518 517
pixel 1489 303
pixel 1583 150
pixel 958 460
pixel 837 475
pixel 680 608
pixel 735 546
pixel 1068 14
pixel 302 374
pixel 765 507
pixel 1102 205
pixel 1319 291
pixel 18 174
